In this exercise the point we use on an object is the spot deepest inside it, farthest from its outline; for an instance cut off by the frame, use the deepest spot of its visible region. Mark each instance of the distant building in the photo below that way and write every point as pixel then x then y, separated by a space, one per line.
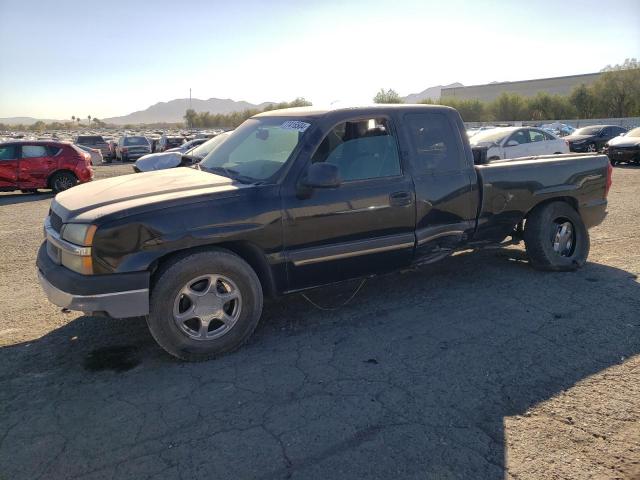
pixel 526 88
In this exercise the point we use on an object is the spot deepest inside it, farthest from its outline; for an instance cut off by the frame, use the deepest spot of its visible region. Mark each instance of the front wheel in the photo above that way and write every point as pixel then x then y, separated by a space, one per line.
pixel 204 305
pixel 556 238
pixel 592 148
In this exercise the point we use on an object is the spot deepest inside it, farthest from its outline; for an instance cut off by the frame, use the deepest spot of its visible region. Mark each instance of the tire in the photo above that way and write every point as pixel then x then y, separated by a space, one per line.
pixel 188 339
pixel 29 190
pixel 62 181
pixel 543 238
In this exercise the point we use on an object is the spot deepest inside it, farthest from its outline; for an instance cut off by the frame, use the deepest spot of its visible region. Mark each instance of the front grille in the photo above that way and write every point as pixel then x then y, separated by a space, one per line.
pixel 56 221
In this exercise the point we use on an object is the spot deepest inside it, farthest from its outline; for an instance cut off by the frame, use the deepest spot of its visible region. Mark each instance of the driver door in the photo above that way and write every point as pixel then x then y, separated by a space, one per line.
pixel 365 225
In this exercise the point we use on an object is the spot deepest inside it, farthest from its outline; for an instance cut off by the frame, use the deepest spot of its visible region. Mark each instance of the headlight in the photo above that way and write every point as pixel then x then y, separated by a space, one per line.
pixel 77 257
pixel 79 233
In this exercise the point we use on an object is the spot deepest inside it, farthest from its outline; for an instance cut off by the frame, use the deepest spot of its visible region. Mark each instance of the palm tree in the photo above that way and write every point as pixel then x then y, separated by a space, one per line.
pixel 73 118
pixel 89 117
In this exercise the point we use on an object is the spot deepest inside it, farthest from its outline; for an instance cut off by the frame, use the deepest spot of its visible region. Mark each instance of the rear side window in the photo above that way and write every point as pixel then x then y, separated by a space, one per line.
pixel 434 142
pixel 34 151
pixel 53 150
pixel 536 136
pixel 8 152
pixel 548 136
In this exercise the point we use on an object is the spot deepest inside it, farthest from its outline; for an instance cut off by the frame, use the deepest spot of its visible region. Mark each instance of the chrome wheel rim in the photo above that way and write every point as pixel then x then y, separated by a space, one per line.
pixel 591 148
pixel 207 307
pixel 563 239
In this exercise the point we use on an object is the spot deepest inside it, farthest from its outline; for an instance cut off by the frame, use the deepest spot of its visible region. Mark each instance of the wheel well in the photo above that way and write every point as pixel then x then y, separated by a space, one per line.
pixel 245 250
pixel 570 200
pixel 53 174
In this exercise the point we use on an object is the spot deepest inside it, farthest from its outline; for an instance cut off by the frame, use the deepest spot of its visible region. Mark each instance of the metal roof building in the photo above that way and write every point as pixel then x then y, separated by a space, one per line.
pixel 526 88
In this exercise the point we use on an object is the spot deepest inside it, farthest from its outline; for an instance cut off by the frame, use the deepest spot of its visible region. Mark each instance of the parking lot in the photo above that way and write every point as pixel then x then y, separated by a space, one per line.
pixel 477 367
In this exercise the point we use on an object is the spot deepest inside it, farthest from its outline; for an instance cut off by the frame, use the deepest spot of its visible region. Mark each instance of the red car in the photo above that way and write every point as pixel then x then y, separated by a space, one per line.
pixel 27 166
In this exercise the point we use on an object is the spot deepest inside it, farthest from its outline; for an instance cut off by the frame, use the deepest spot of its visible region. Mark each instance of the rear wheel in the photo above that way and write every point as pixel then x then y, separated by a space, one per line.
pixel 204 305
pixel 592 147
pixel 62 181
pixel 556 238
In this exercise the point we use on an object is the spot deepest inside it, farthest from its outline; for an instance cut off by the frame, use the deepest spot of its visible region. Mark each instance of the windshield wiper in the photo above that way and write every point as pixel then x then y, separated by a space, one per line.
pixel 232 174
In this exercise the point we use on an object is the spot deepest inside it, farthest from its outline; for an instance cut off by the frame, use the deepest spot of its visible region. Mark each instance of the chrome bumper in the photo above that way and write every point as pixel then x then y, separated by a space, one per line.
pixel 131 303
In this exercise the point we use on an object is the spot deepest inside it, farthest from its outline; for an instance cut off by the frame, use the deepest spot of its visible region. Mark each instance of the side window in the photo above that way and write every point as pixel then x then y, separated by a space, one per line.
pixel 521 136
pixel 536 136
pixel 361 149
pixel 53 151
pixel 34 151
pixel 548 136
pixel 434 143
pixel 8 152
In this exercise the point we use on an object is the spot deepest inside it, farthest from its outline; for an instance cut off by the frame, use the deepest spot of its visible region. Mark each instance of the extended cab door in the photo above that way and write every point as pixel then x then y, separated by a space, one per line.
pixel 9 166
pixel 445 182
pixel 365 225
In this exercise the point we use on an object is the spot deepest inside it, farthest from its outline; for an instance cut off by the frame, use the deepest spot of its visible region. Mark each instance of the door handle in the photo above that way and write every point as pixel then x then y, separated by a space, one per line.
pixel 400 199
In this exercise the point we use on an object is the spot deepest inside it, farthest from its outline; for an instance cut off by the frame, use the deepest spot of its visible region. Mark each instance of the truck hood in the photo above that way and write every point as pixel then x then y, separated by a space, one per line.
pixel 121 195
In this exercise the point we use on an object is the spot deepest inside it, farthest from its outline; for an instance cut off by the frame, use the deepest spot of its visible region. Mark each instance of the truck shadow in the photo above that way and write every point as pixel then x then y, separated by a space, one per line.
pixel 414 378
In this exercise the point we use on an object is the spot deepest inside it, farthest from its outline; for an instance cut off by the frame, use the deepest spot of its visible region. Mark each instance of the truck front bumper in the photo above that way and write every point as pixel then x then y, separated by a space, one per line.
pixel 119 295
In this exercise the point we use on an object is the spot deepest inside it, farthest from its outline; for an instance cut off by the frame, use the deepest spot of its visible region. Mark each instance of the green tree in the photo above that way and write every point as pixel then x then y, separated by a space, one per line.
pixel 189 117
pixel 470 110
pixel 618 93
pixel 507 107
pixel 387 96
pixel 39 126
pixel 583 101
pixel 628 64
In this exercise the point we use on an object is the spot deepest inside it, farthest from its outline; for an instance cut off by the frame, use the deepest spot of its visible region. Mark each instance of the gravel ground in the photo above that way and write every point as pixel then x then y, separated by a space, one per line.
pixel 478 367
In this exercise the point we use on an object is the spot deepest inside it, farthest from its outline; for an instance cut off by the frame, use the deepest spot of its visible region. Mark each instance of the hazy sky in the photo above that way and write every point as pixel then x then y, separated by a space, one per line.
pixel 105 58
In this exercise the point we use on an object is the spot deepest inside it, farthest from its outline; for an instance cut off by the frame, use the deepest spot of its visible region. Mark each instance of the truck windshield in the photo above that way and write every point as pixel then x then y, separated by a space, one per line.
pixel 257 149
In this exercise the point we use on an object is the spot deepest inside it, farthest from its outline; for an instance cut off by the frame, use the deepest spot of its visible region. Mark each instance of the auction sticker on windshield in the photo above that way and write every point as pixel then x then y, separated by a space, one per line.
pixel 295 125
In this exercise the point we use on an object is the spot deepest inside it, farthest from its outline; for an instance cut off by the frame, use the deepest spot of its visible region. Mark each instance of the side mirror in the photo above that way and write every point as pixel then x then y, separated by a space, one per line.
pixel 512 143
pixel 322 175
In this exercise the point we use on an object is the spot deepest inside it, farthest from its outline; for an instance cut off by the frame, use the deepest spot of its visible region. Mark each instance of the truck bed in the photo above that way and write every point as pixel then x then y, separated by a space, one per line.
pixel 509 189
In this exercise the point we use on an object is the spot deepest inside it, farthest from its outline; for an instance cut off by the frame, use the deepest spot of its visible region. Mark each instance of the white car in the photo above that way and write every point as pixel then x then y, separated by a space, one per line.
pixel 516 142
pixel 173 159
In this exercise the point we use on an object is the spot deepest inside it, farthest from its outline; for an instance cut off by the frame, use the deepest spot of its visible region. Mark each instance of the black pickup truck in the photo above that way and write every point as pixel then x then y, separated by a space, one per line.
pixel 300 198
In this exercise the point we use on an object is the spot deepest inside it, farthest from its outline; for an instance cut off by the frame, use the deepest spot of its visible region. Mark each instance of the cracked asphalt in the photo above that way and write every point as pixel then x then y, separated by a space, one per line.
pixel 477 367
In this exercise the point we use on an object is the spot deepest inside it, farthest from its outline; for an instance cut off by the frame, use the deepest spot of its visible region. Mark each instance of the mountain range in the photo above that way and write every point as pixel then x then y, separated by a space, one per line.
pixel 173 110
